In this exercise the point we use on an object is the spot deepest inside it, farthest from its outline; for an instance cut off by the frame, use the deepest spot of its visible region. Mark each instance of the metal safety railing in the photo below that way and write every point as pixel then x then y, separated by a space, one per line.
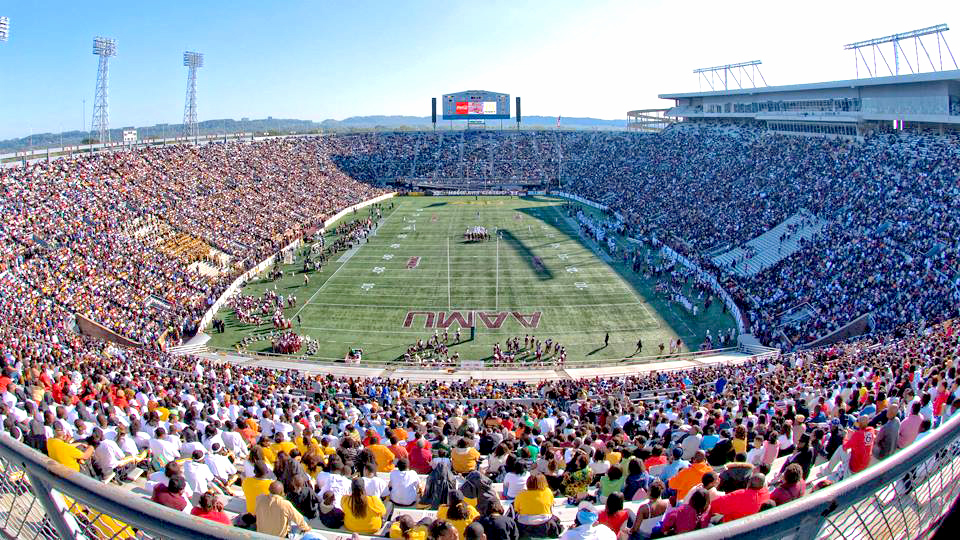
pixel 905 496
pixel 39 498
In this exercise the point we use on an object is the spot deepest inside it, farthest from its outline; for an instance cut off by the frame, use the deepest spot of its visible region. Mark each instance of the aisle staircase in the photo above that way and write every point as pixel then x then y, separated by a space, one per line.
pixel 766 250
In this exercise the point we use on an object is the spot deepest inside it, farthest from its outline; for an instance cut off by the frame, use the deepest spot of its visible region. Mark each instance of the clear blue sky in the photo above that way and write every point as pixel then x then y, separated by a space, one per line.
pixel 333 59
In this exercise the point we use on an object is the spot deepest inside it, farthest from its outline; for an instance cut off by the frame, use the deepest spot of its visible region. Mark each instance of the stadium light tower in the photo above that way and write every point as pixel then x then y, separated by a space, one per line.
pixel 192 60
pixel 730 71
pixel 899 53
pixel 4 28
pixel 104 48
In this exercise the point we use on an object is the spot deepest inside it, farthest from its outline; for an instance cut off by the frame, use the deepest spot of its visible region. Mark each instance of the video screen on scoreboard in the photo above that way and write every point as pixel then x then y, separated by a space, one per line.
pixel 476 105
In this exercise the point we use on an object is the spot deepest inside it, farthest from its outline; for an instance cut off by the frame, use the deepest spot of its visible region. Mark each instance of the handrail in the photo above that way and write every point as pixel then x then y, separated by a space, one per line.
pixel 806 516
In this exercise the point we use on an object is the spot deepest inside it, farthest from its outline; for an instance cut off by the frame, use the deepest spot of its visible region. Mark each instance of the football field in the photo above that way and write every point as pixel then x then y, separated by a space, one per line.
pixel 535 275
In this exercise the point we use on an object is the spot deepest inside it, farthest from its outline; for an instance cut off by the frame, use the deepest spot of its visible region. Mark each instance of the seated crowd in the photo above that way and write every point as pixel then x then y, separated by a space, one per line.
pixel 658 453
pixel 73 228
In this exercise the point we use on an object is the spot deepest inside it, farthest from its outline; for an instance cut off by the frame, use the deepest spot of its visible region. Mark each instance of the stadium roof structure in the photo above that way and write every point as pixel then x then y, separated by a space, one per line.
pixel 953 75
pixel 852 107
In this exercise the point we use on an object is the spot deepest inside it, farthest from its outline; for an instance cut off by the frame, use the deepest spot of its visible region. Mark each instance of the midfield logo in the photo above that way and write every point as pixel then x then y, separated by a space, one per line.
pixel 490 319
pixel 413 262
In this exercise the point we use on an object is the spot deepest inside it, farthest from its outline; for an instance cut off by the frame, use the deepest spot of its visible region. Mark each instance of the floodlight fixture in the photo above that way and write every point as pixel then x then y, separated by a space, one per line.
pixel 104 46
pixel 193 59
pixel 730 71
pixel 900 54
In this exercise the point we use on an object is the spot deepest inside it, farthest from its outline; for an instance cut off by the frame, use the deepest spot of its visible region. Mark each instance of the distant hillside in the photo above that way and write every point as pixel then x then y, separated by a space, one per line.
pixel 276 126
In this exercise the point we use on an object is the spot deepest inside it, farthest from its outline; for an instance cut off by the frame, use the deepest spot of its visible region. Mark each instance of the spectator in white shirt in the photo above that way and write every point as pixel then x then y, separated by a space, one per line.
pixel 404 484
pixel 198 474
pixel 373 485
pixel 162 449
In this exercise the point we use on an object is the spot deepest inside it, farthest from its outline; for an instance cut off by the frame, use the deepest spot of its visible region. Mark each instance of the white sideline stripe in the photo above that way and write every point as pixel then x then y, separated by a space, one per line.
pixel 524 308
pixel 513 332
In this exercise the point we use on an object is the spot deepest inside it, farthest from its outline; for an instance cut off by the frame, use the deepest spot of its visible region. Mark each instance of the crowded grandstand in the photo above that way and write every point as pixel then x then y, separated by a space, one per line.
pixel 142 243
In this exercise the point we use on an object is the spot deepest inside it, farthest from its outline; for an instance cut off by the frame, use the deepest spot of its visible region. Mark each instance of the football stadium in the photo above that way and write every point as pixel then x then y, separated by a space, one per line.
pixel 730 317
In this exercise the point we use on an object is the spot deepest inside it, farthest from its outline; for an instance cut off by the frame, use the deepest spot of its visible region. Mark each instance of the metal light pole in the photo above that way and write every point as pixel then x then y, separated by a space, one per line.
pixel 192 60
pixel 103 48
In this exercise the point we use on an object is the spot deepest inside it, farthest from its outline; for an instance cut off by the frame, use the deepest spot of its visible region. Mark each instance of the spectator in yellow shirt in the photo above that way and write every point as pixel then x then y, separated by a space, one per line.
pixel 280 444
pixel 457 512
pixel 382 454
pixel 362 513
pixel 61 450
pixel 255 485
pixel 534 507
pixel 464 458
pixel 306 442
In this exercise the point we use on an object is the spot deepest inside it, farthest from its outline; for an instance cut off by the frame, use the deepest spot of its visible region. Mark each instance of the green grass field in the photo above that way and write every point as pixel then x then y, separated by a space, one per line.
pixel 365 300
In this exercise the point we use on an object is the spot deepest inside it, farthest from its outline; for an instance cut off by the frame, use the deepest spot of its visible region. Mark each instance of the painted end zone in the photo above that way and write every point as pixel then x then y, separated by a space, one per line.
pixel 489 319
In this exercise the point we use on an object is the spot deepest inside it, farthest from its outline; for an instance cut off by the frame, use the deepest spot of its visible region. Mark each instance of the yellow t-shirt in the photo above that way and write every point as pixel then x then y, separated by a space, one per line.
pixel 305 446
pixel 369 523
pixel 536 502
pixel 383 456
pixel 64 453
pixel 251 488
pixel 285 446
pixel 163 413
pixel 464 459
pixel 459 524
pixel 614 457
pixel 418 532
pixel 739 445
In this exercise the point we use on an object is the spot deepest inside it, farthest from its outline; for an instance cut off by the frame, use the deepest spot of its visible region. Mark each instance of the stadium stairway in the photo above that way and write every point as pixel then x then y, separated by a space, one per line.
pixel 766 250
pixel 195 345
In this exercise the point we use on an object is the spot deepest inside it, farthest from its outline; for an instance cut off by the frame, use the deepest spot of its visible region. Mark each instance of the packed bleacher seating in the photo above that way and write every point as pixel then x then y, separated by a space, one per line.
pixel 112 236
pixel 234 442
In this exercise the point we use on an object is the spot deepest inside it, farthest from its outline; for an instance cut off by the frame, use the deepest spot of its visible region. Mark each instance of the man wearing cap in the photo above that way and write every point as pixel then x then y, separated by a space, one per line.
pixel 61 450
pixel 585 526
pixel 860 445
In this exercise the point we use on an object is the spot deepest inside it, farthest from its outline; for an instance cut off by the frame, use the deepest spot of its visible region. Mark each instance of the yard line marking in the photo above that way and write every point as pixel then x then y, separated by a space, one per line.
pixel 449 302
pixel 496 301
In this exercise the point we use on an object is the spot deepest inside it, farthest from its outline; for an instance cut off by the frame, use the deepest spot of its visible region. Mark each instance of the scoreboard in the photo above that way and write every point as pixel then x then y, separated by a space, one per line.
pixel 476 105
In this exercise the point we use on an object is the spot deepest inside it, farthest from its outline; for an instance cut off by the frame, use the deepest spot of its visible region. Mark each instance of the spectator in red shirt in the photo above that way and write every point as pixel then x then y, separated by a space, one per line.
pixel 171 493
pixel 742 502
pixel 420 458
pixel 211 508
pixel 860 445
pixel 397 450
